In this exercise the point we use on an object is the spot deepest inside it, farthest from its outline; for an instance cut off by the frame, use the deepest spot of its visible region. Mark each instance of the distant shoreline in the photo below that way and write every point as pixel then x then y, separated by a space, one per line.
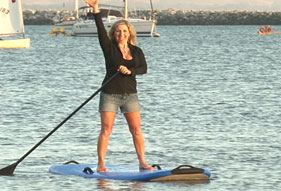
pixel 172 17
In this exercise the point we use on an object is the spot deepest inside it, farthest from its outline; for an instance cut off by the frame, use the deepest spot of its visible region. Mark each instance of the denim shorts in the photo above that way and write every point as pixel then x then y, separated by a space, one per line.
pixel 126 102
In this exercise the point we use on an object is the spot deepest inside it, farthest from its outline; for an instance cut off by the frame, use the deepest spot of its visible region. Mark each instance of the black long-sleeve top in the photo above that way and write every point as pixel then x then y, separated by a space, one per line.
pixel 121 84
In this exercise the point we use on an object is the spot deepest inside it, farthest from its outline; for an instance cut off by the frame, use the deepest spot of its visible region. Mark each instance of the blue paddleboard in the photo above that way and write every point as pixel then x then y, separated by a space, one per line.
pixel 126 172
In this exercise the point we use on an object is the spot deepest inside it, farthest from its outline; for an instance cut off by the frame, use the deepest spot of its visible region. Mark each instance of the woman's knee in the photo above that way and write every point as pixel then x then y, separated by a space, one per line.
pixel 107 122
pixel 106 130
pixel 136 130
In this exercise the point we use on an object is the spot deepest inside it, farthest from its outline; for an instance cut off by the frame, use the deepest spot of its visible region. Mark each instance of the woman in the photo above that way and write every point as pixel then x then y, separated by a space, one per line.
pixel 121 54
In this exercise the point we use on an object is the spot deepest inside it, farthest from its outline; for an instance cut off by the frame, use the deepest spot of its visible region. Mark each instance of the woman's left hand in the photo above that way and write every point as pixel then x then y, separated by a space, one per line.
pixel 124 70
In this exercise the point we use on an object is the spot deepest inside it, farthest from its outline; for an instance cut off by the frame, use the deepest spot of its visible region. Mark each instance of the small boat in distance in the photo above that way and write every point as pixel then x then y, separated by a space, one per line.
pixel 11 22
pixel 67 22
pixel 266 30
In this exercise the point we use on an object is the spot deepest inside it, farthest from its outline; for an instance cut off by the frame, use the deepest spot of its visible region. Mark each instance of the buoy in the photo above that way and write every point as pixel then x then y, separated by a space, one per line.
pixel 55 32
pixel 156 35
pixel 62 31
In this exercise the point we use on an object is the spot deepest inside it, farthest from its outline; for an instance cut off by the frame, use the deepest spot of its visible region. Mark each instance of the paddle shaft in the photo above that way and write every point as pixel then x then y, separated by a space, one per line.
pixel 8 171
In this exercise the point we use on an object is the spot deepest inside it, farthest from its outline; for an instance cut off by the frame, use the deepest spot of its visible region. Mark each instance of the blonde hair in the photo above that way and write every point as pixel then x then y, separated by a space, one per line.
pixel 133 35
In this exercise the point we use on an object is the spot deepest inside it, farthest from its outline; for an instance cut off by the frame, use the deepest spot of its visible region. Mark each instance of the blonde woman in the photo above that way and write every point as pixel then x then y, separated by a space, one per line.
pixel 121 54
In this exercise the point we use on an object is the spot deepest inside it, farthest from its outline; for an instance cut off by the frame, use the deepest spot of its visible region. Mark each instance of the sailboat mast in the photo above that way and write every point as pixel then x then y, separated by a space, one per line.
pixel 76 9
pixel 126 9
pixel 152 12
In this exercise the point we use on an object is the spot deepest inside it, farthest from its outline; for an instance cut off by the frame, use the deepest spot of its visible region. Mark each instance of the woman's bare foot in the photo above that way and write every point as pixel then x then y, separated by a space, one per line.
pixel 102 169
pixel 146 167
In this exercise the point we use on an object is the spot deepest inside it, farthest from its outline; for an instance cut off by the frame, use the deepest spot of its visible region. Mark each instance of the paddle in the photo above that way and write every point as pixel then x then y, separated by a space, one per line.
pixel 9 170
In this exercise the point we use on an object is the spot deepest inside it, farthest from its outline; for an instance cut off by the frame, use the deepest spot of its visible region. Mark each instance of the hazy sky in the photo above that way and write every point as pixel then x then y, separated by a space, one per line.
pixel 262 5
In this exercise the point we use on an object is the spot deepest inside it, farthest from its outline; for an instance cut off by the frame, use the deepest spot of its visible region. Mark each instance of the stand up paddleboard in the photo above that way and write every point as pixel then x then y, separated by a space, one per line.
pixel 183 173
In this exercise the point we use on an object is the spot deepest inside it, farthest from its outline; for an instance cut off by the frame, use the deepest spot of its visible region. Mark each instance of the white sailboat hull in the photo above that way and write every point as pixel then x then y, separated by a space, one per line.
pixel 15 43
pixel 88 27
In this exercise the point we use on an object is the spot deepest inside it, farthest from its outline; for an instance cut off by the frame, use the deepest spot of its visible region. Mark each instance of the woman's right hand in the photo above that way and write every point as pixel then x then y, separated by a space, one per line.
pixel 94 4
pixel 124 70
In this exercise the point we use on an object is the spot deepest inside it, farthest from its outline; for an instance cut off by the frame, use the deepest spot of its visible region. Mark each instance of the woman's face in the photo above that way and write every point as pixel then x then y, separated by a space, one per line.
pixel 122 33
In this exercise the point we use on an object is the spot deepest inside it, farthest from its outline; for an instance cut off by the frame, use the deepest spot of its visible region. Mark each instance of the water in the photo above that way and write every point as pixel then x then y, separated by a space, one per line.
pixel 211 99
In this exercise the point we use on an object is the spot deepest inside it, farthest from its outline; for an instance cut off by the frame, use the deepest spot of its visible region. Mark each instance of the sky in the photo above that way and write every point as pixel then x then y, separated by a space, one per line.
pixel 251 5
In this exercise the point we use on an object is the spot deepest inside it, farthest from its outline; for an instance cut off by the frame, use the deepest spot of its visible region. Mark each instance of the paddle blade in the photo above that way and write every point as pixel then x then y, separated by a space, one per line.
pixel 8 170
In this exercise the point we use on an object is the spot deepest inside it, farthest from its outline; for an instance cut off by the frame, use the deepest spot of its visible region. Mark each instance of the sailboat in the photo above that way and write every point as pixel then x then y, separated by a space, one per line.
pixel 87 27
pixel 11 25
pixel 67 22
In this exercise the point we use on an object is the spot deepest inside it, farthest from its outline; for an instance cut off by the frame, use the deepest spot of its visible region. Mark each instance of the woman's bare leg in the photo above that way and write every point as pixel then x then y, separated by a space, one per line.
pixel 134 122
pixel 107 122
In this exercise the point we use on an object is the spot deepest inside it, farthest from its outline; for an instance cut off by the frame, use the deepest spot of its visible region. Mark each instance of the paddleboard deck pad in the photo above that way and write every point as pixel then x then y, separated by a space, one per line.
pixel 183 173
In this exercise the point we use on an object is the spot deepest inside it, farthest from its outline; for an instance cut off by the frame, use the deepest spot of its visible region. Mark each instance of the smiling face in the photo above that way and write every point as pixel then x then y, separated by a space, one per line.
pixel 122 34
pixel 123 31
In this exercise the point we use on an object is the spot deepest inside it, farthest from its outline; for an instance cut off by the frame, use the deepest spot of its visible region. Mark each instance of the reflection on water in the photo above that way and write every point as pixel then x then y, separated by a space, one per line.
pixel 119 185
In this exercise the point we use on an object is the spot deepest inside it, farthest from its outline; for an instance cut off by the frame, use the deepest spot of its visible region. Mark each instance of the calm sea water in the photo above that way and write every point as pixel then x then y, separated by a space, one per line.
pixel 211 99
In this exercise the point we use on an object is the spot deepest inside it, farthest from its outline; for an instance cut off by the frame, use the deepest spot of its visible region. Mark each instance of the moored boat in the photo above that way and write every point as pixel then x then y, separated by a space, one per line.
pixel 87 27
pixel 66 22
pixel 11 22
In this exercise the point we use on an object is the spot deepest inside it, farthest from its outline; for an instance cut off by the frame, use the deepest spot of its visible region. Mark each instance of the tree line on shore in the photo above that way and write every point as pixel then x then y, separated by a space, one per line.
pixel 174 17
